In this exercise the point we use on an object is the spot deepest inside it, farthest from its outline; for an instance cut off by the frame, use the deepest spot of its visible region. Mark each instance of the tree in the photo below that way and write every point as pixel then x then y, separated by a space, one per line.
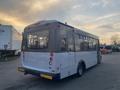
pixel 115 39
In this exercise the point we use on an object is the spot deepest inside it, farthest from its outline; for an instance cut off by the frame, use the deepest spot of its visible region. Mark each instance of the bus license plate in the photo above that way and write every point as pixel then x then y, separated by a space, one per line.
pixel 46 76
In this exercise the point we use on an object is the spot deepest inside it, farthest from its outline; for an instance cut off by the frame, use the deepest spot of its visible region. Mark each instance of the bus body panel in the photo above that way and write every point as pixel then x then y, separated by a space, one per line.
pixel 68 64
pixel 38 61
pixel 89 58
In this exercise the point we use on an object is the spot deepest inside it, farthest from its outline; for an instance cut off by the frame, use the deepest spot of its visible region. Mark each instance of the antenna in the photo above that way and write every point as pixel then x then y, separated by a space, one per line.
pixel 66 23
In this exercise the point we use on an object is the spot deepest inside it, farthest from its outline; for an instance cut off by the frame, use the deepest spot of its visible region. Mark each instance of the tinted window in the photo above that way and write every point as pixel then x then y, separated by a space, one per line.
pixel 93 44
pixel 37 40
pixel 63 40
pixel 84 45
pixel 88 44
pixel 77 42
pixel 82 42
pixel 70 41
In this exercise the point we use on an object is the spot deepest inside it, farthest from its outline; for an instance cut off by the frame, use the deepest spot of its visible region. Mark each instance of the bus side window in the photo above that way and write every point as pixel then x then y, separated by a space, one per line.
pixel 70 41
pixel 95 45
pixel 63 44
pixel 77 42
pixel 63 40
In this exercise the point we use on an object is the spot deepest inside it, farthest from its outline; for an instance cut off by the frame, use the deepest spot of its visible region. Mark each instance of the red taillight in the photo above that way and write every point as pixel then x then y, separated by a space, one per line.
pixel 51 54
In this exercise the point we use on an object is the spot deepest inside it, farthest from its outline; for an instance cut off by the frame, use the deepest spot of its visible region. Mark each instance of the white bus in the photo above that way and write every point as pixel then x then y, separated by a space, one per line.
pixel 54 50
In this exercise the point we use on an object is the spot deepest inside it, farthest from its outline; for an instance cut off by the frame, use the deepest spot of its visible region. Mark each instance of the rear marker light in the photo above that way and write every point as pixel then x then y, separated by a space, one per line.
pixel 50 62
pixel 51 58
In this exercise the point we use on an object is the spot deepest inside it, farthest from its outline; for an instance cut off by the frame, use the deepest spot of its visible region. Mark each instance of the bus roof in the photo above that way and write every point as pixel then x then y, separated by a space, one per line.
pixel 46 22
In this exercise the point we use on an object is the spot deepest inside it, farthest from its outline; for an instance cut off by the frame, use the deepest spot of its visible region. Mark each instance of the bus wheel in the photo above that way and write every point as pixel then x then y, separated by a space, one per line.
pixel 80 70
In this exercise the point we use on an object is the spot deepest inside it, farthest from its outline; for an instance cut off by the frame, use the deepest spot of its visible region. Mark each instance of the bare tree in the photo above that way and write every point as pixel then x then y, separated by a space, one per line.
pixel 115 39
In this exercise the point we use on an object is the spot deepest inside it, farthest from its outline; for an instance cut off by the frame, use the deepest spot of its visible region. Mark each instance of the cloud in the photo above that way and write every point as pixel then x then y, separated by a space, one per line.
pixel 42 5
pixel 106 2
pixel 28 11
pixel 110 19
pixel 107 16
pixel 108 28
pixel 35 10
pixel 95 4
pixel 76 6
pixel 22 13
pixel 103 26
pixel 94 16
pixel 12 20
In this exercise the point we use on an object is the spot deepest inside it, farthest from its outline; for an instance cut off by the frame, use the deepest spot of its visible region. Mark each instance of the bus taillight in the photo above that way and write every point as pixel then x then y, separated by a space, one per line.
pixel 51 58
pixel 51 54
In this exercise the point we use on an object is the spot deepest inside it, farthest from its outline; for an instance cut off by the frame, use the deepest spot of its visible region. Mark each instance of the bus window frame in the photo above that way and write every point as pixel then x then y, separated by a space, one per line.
pixel 50 41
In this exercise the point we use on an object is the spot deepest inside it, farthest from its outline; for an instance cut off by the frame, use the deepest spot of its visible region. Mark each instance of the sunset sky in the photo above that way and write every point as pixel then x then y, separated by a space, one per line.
pixel 100 17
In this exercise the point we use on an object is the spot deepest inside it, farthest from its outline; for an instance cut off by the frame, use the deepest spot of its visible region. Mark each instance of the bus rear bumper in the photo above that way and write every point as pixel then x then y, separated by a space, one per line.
pixel 45 75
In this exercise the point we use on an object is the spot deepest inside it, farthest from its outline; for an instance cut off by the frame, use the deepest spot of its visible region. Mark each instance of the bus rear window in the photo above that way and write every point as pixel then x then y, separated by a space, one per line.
pixel 38 40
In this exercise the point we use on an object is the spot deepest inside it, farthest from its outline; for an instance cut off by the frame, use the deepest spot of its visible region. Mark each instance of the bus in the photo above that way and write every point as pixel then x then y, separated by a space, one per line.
pixel 54 50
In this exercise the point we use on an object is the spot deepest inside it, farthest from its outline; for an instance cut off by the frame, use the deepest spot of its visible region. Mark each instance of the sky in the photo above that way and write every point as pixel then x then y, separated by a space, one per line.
pixel 99 17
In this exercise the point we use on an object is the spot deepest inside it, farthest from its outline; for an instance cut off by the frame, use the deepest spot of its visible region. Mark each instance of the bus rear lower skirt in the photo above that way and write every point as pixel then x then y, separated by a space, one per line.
pixel 39 74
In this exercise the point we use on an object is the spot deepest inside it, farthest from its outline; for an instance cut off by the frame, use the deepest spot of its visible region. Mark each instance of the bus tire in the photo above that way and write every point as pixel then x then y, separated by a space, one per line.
pixel 80 69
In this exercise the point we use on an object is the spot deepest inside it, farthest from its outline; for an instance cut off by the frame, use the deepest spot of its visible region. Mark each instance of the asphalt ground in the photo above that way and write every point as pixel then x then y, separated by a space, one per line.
pixel 105 76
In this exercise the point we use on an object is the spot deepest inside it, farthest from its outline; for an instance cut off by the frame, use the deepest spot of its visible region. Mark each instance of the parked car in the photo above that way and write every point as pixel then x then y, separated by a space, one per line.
pixel 106 49
pixel 116 49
